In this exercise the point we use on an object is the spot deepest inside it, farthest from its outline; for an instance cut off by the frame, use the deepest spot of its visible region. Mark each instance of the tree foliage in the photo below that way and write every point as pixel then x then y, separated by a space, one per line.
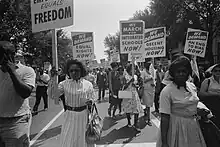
pixel 179 15
pixel 15 19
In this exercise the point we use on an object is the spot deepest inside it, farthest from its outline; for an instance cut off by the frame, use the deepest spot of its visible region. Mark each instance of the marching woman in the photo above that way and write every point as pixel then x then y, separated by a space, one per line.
pixel 178 108
pixel 149 90
pixel 133 105
pixel 79 95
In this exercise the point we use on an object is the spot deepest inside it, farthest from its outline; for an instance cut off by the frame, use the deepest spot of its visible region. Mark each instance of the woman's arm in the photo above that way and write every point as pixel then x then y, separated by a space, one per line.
pixel 165 120
pixel 165 110
pixel 204 89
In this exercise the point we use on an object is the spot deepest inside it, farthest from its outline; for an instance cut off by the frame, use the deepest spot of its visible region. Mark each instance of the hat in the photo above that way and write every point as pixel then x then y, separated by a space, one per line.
pixel 210 69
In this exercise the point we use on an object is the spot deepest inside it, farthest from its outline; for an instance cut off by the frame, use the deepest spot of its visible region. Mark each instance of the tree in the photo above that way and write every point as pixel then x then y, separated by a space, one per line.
pixel 112 42
pixel 199 14
pixel 15 20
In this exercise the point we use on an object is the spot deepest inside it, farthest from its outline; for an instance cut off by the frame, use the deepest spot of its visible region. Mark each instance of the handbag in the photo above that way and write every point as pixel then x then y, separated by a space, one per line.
pixel 94 126
pixel 141 92
pixel 125 94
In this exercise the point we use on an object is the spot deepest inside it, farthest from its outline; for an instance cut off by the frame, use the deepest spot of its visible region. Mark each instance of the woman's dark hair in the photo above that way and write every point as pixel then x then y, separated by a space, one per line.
pixel 147 65
pixel 80 64
pixel 120 68
pixel 129 68
pixel 114 64
pixel 181 61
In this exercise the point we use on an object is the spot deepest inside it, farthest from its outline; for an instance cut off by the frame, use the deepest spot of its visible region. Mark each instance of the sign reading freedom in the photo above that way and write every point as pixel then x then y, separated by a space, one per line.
pixel 51 14
pixel 196 42
pixel 132 36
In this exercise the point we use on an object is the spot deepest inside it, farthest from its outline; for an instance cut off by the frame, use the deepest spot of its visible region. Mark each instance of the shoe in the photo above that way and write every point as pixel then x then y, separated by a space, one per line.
pixel 129 125
pixel 149 123
pixel 45 109
pixel 136 128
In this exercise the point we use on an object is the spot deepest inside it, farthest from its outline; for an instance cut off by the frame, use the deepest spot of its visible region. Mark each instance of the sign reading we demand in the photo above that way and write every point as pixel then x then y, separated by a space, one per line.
pixel 83 45
pixel 51 14
pixel 131 36
pixel 155 42
pixel 196 42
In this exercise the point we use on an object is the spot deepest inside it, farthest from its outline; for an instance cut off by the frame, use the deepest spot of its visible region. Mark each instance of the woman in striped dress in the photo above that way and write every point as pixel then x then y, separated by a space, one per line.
pixel 79 94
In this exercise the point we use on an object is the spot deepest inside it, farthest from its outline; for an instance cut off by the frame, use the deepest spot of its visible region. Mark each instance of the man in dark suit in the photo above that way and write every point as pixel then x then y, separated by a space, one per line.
pixel 101 82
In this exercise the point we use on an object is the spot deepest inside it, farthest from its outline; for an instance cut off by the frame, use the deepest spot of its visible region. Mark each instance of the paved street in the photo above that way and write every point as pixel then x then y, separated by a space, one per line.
pixel 46 129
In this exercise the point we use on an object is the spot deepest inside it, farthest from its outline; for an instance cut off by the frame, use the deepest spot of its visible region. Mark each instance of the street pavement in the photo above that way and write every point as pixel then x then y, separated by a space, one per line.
pixel 46 128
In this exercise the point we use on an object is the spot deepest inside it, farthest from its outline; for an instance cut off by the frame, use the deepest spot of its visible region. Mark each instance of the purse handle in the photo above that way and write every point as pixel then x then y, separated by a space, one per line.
pixel 94 107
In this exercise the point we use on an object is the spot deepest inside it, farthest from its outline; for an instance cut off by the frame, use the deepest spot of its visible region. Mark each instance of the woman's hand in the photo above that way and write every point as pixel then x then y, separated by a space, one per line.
pixel 89 102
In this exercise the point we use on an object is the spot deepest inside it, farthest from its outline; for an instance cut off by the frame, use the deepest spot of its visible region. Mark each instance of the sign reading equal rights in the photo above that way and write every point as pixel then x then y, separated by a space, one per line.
pixel 83 45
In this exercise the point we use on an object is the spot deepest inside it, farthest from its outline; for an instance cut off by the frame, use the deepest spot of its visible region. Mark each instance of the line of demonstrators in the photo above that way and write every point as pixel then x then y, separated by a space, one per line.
pixel 185 120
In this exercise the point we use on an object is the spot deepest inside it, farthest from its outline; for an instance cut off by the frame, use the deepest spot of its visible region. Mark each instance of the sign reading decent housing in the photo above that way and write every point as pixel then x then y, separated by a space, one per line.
pixel 196 41
pixel 155 42
pixel 83 45
pixel 51 14
pixel 131 36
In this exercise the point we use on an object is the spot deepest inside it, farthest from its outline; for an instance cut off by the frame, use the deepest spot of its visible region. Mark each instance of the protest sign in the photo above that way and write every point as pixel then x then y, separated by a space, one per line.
pixel 83 45
pixel 155 42
pixel 115 57
pixel 196 41
pixel 138 57
pixel 51 14
pixel 102 61
pixel 131 36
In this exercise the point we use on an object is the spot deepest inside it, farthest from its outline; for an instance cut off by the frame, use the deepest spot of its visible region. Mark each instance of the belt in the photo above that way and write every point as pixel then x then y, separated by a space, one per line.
pixel 77 109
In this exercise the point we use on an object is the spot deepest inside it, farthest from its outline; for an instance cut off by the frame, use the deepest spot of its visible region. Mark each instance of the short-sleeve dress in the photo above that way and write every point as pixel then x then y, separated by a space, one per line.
pixel 74 127
pixel 184 129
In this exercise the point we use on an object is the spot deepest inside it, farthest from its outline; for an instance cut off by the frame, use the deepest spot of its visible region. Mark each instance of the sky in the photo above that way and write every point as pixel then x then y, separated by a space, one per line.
pixel 102 17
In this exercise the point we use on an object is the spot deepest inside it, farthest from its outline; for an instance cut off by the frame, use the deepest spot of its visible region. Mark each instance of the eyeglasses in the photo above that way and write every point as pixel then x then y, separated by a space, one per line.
pixel 74 70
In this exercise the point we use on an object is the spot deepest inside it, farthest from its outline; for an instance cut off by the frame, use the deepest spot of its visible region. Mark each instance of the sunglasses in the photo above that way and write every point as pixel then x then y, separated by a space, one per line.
pixel 75 70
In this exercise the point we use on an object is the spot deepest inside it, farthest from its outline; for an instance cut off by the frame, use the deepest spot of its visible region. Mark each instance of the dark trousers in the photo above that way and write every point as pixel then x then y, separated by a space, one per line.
pixel 101 92
pixel 115 102
pixel 156 101
pixel 41 91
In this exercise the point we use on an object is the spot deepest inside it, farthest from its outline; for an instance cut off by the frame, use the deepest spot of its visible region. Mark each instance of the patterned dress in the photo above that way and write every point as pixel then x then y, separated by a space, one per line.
pixel 74 127
pixel 184 130
pixel 132 105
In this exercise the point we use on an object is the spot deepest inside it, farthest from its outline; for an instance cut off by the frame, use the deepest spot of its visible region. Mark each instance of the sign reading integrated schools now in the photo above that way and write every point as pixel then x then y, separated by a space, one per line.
pixel 196 41
pixel 51 14
pixel 83 45
pixel 155 42
pixel 132 36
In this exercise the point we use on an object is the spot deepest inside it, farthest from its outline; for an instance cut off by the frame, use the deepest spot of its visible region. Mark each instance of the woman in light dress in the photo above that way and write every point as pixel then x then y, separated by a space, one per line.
pixel 210 92
pixel 178 107
pixel 133 105
pixel 149 91
pixel 79 95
